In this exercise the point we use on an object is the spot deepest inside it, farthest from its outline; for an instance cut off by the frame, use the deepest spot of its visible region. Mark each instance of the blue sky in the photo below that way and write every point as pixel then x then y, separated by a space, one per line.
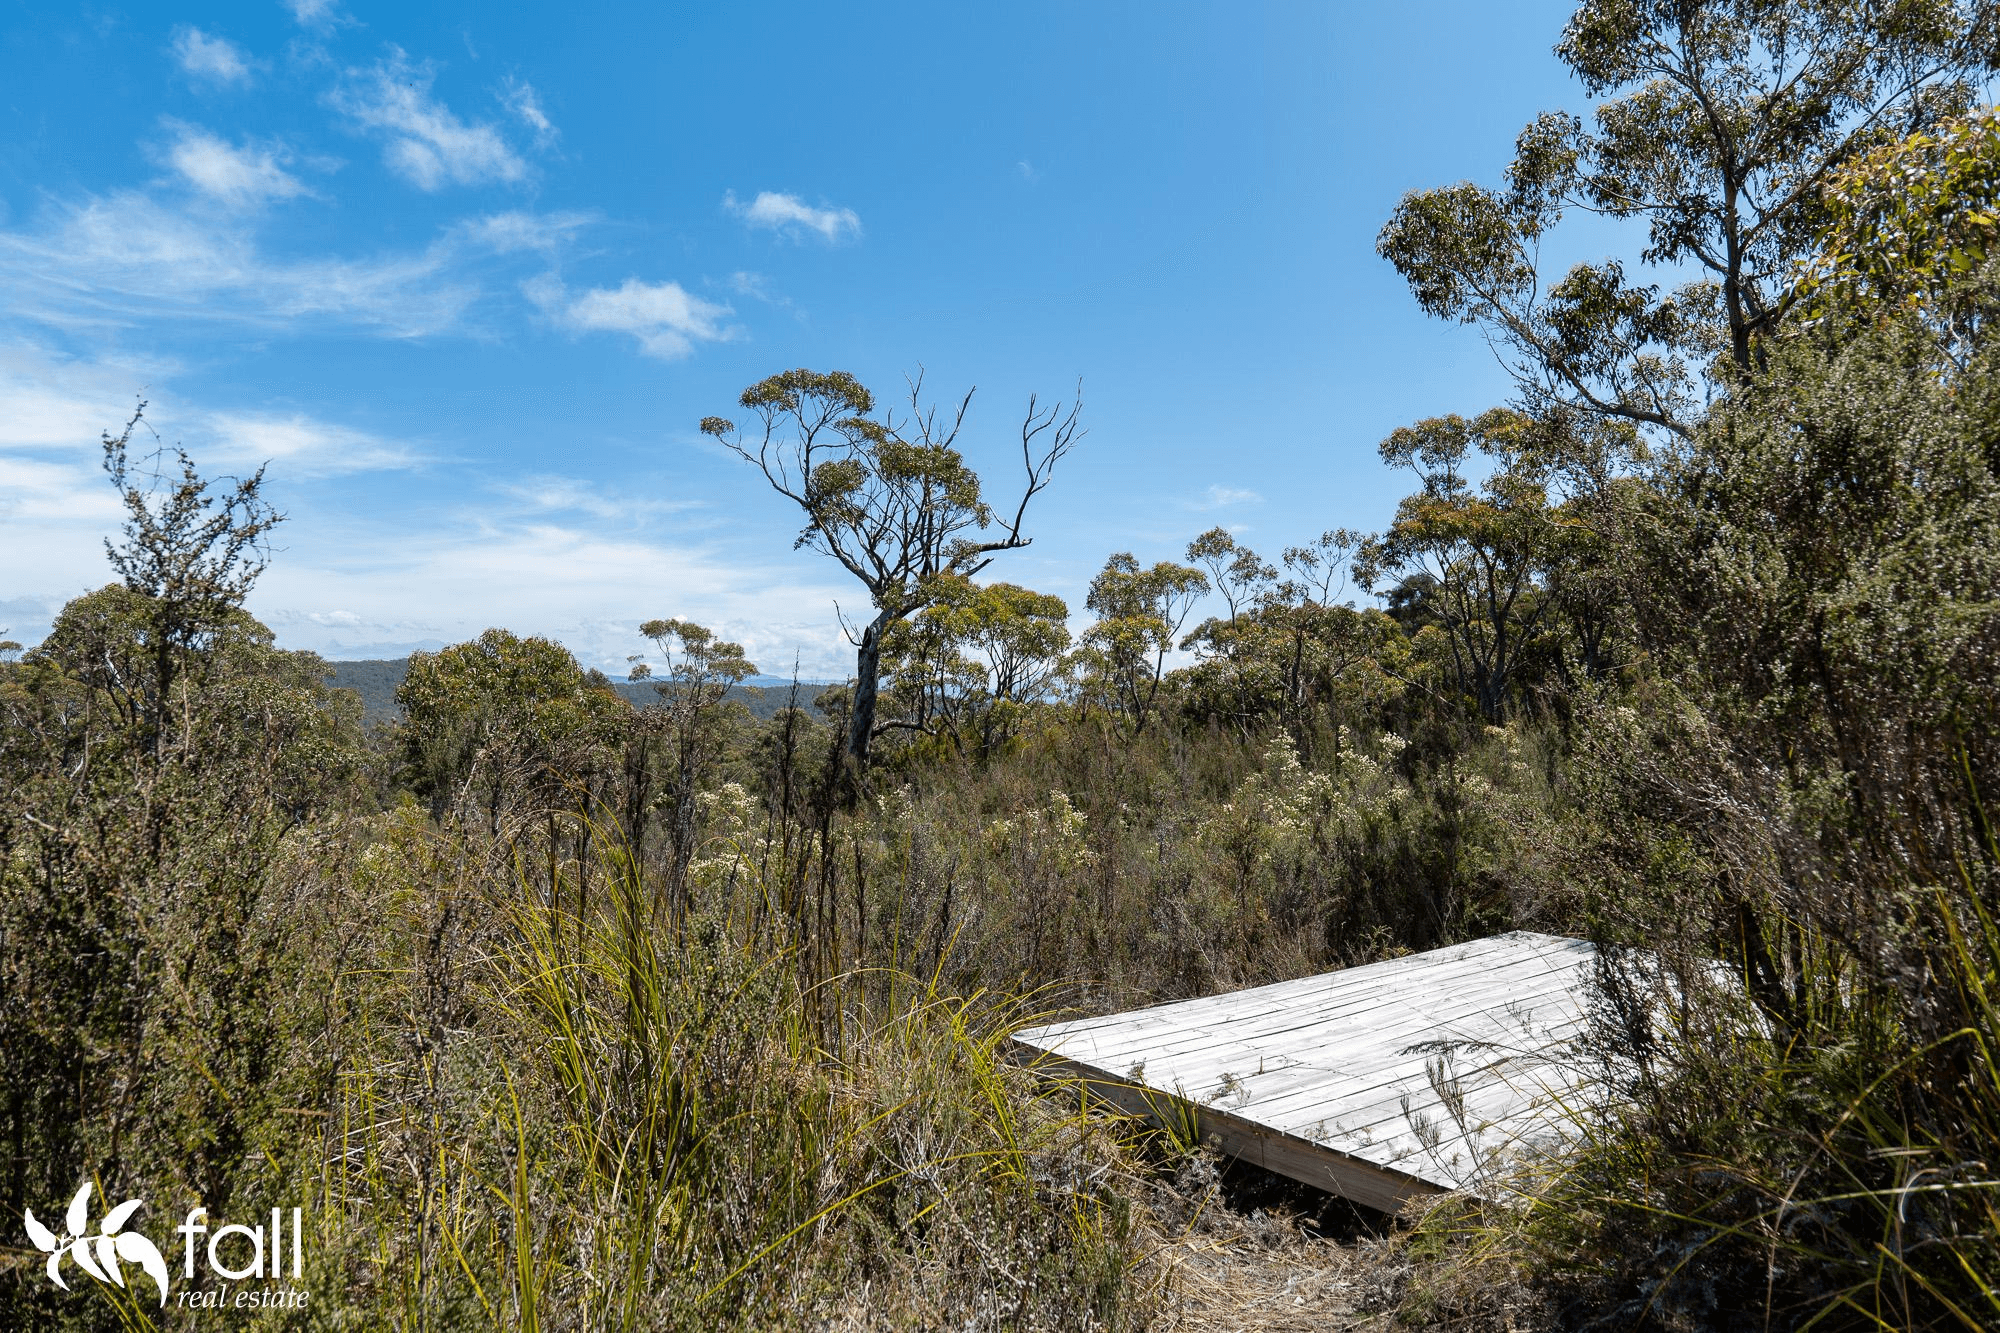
pixel 467 276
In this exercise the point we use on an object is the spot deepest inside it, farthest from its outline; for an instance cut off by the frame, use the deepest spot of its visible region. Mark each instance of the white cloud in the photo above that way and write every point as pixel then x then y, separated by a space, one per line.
pixel 521 98
pixel 116 260
pixel 298 445
pixel 56 508
pixel 112 260
pixel 63 493
pixel 428 144
pixel 552 494
pixel 1222 497
pixel 511 232
pixel 665 319
pixel 583 561
pixel 120 260
pixel 61 406
pixel 758 288
pixel 203 56
pixel 346 588
pixel 314 13
pixel 240 177
pixel 788 214
pixel 50 401
pixel 538 554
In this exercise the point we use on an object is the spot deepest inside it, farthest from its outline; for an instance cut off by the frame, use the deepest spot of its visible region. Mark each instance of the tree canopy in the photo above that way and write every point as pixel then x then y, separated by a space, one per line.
pixel 889 496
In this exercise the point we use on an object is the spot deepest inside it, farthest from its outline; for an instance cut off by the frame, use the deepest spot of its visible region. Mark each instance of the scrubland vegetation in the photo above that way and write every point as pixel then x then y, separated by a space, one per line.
pixel 554 1013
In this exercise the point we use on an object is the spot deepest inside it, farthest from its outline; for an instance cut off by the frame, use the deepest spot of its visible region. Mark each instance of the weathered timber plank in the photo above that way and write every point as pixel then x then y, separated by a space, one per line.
pixel 1210 1022
pixel 1363 980
pixel 1317 1077
pixel 1361 983
pixel 1474 1017
pixel 1287 1155
pixel 1534 1068
pixel 1321 1080
pixel 1310 1055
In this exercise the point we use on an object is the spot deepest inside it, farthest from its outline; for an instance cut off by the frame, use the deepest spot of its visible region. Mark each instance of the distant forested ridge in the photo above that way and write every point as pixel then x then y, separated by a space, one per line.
pixel 377 679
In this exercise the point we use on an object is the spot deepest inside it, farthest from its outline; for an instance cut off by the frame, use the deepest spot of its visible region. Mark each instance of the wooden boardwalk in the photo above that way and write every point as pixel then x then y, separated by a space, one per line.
pixel 1380 1083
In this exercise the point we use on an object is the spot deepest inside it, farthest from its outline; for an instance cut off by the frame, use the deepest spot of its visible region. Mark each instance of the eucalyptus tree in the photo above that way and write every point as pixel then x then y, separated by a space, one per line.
pixel 1804 788
pixel 971 665
pixel 1721 124
pixel 888 496
pixel 505 724
pixel 1289 648
pixel 1482 550
pixel 1911 229
pixel 1234 570
pixel 699 669
pixel 1139 611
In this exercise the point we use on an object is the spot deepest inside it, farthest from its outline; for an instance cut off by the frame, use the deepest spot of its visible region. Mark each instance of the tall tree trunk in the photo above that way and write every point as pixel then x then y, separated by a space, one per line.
pixel 867 668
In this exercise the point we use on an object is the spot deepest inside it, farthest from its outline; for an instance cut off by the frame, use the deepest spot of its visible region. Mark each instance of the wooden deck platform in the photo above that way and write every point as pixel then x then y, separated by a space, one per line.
pixel 1379 1083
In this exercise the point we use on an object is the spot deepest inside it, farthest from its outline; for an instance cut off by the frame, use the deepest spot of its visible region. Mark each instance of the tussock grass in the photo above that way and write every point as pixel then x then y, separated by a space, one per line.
pixel 656 1123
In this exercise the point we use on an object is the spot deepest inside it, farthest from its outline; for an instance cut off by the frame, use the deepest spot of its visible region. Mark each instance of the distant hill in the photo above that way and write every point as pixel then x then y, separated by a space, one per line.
pixel 375 680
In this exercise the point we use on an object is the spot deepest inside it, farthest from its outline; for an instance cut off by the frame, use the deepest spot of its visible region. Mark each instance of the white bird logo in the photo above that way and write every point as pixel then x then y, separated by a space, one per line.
pixel 98 1254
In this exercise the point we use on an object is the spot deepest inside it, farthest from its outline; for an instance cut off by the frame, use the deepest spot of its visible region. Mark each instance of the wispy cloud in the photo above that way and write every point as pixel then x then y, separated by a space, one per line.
pixel 127 256
pixel 521 98
pixel 662 316
pixel 428 144
pixel 540 554
pixel 59 406
pixel 515 231
pixel 238 176
pixel 758 288
pixel 209 58
pixel 789 215
pixel 66 495
pixel 346 584
pixel 1223 497
pixel 57 507
pixel 300 445
pixel 315 13
pixel 52 401
pixel 552 494
pixel 124 258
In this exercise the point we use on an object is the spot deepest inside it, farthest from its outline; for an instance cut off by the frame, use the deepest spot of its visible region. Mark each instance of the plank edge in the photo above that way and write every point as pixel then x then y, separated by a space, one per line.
pixel 1288 1155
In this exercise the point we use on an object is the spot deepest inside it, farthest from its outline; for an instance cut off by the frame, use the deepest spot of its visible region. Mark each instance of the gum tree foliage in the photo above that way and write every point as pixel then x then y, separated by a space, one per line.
pixel 969 667
pixel 1586 584
pixel 507 726
pixel 1801 785
pixel 1909 224
pixel 888 496
pixel 1721 124
pixel 698 670
pixel 1235 571
pixel 1480 552
pixel 1140 612
pixel 1808 792
pixel 1288 649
